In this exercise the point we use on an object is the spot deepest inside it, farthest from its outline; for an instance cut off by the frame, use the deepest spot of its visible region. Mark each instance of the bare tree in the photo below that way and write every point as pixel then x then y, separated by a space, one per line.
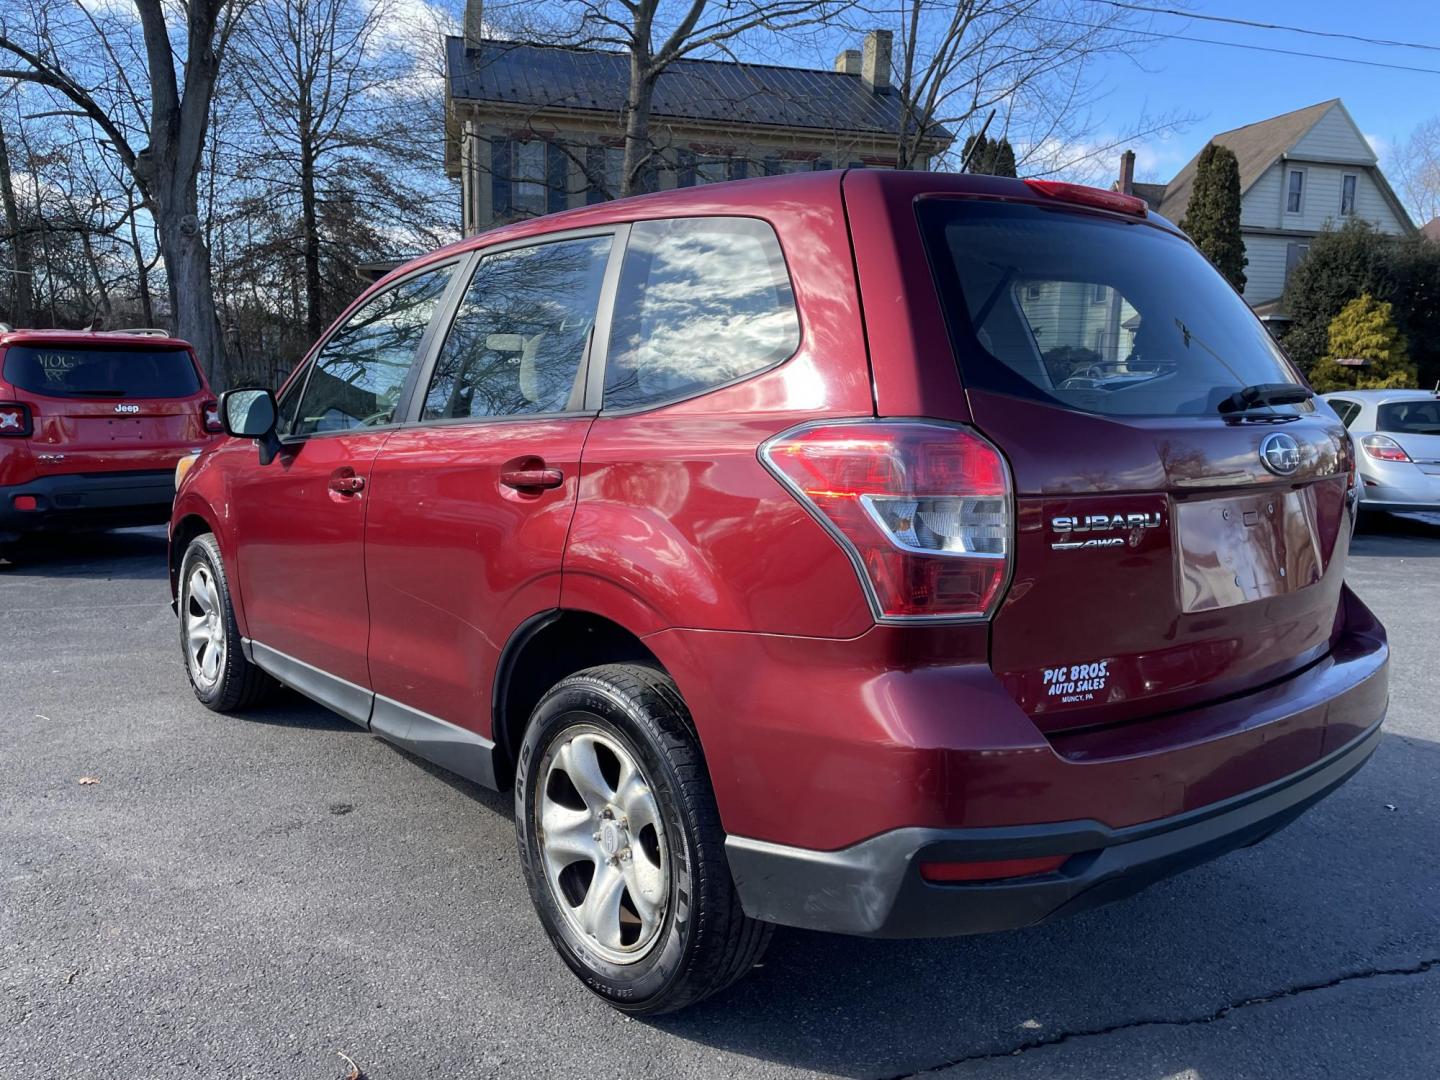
pixel 55 47
pixel 19 272
pixel 1417 167
pixel 1030 60
pixel 654 34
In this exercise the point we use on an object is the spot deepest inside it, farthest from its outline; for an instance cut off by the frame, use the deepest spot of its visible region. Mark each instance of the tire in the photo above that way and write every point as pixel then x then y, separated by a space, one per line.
pixel 652 821
pixel 221 677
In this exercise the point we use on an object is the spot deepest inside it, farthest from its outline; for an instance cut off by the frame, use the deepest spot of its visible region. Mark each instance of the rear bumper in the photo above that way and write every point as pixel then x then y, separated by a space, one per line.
pixel 1397 486
pixel 874 888
pixel 84 499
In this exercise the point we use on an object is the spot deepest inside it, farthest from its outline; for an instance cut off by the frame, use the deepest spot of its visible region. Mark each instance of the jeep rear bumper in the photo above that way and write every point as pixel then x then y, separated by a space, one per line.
pixel 86 499
pixel 875 888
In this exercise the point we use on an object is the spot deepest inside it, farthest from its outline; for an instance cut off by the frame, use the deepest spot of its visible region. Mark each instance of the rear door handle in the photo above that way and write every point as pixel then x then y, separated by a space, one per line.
pixel 532 479
pixel 347 485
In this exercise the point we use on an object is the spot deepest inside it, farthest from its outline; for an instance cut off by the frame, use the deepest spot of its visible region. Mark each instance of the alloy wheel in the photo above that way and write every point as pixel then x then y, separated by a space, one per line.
pixel 603 844
pixel 205 642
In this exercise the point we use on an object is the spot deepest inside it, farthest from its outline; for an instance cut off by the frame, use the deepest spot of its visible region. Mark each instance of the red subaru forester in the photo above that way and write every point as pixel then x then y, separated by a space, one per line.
pixel 92 426
pixel 882 553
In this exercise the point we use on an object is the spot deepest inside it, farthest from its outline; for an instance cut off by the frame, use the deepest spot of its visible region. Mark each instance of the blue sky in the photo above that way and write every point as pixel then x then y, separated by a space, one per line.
pixel 1227 87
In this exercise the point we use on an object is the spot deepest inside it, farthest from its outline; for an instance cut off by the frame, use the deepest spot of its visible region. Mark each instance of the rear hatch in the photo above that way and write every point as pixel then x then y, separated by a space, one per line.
pixel 1172 547
pixel 1415 426
pixel 109 407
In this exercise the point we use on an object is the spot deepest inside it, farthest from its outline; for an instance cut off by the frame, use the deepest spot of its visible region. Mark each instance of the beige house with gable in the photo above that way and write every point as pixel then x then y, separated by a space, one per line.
pixel 1298 172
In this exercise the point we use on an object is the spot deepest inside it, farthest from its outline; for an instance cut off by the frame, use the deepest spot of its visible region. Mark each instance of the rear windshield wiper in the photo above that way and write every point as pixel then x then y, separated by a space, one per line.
pixel 1253 397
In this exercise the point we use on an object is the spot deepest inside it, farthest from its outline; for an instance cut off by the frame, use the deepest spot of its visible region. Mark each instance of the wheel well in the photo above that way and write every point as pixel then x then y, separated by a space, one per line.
pixel 541 653
pixel 185 530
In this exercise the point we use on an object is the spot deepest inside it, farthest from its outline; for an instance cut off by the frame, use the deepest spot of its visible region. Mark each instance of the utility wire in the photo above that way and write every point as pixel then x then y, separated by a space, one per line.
pixel 1181 14
pixel 1126 31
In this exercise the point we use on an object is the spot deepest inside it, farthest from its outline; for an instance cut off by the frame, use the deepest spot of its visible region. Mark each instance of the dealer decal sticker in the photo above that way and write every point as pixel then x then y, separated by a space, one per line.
pixel 1073 683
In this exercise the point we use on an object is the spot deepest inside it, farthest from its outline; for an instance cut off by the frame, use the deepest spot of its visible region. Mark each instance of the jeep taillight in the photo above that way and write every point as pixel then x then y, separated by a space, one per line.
pixel 211 411
pixel 923 508
pixel 14 419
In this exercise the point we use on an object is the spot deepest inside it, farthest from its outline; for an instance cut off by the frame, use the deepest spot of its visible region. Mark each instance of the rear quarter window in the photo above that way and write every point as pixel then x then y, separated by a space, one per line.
pixel 56 371
pixel 1092 312
pixel 701 302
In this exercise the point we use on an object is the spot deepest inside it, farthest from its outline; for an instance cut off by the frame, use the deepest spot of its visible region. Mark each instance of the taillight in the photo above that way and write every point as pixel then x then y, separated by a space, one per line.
pixel 1089 196
pixel 1382 448
pixel 922 508
pixel 14 419
pixel 212 417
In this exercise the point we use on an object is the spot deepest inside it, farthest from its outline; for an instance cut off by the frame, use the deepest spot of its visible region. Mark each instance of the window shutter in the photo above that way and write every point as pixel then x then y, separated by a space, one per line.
pixel 500 156
pixel 595 175
pixel 739 169
pixel 772 166
pixel 557 177
pixel 684 168
pixel 822 165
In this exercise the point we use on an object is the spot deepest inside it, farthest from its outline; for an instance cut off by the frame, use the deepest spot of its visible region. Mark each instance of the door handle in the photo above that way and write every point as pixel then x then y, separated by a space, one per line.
pixel 532 479
pixel 347 485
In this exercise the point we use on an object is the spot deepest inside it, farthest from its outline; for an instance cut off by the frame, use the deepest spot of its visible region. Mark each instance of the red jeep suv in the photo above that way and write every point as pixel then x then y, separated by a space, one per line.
pixel 92 426
pixel 881 553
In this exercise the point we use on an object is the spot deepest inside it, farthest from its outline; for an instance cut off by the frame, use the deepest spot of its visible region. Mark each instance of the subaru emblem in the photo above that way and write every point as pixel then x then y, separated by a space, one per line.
pixel 1280 453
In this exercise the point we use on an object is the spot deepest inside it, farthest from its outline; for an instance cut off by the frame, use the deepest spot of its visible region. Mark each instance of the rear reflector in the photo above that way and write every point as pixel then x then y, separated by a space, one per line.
pixel 14 419
pixel 1382 448
pixel 25 502
pixel 923 509
pixel 1089 196
pixel 990 871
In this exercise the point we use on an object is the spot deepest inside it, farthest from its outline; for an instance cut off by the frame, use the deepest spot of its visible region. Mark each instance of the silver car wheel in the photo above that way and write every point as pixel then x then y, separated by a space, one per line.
pixel 205 643
pixel 603 844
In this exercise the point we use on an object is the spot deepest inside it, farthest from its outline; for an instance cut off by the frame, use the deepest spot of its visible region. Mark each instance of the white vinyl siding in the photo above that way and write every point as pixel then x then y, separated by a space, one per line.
pixel 1260 206
pixel 1334 137
pixel 1265 272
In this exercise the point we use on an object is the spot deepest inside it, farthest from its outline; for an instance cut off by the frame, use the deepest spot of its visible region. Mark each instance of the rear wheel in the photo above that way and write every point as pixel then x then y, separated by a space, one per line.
pixel 621 843
pixel 220 675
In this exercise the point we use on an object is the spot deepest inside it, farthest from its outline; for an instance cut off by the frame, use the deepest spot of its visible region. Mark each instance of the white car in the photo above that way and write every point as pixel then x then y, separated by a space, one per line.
pixel 1397 446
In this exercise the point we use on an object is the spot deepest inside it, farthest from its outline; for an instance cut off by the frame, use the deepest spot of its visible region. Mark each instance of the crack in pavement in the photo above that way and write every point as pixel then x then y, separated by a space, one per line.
pixel 1421 968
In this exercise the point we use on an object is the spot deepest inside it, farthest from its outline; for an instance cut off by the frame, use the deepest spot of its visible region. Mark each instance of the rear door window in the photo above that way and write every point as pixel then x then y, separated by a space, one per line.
pixel 701 302
pixel 1410 417
pixel 1092 312
pixel 58 371
pixel 359 374
pixel 520 335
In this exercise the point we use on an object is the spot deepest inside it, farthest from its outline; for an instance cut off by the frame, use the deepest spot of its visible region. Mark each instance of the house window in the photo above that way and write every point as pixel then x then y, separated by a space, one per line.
pixel 711 170
pixel 1099 293
pixel 1294 252
pixel 1032 291
pixel 527 194
pixel 1347 195
pixel 1295 191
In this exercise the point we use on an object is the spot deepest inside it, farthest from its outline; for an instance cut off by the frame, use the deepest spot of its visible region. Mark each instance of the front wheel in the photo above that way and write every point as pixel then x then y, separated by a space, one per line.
pixel 621 843
pixel 222 678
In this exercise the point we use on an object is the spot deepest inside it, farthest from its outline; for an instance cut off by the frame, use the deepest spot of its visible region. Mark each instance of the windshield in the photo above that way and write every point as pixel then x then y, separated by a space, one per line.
pixel 1409 417
pixel 1093 312
pixel 57 371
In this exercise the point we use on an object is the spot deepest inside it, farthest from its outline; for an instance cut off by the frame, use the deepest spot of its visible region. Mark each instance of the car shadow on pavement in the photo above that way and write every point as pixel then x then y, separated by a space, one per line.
pixel 1394 534
pixel 283 707
pixel 1332 897
pixel 128 554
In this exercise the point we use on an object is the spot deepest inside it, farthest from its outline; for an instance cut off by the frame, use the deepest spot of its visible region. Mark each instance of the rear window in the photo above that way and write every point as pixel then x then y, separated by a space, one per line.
pixel 106 373
pixel 1409 417
pixel 1092 312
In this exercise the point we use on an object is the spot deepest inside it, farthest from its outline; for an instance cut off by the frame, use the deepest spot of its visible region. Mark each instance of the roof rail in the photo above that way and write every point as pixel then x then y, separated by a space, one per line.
pixel 141 331
pixel 5 328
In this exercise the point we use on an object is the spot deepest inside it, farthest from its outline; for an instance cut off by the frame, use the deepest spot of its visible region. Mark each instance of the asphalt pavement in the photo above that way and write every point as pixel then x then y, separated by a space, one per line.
pixel 247 896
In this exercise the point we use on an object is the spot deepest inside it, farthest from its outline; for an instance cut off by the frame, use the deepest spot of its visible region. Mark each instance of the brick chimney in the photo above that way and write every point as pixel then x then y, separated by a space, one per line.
pixel 848 62
pixel 1126 184
pixel 875 60
pixel 474 24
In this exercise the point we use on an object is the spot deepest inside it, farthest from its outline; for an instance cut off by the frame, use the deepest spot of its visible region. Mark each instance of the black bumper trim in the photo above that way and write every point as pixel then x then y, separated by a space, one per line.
pixel 68 499
pixel 874 888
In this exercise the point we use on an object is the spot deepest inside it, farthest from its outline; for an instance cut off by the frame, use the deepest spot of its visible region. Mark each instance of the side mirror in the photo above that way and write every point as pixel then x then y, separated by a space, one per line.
pixel 250 413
